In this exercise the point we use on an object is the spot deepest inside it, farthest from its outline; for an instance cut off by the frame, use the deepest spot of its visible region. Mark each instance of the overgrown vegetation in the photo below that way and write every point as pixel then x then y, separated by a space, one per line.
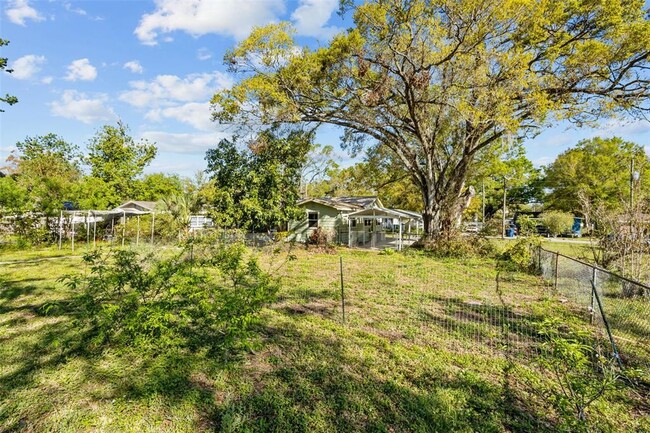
pixel 422 350
pixel 133 299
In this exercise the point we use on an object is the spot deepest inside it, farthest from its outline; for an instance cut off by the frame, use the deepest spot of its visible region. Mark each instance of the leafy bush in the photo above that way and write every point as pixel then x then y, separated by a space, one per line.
pixel 209 300
pixel 557 222
pixel 579 372
pixel 527 226
pixel 519 255
pixel 460 247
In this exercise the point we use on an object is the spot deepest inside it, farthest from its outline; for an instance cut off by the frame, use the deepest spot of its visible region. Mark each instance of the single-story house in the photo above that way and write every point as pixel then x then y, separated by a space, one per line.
pixel 352 221
pixel 137 205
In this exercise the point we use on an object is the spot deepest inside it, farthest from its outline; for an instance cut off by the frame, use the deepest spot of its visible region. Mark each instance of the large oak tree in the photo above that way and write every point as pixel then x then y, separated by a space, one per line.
pixel 437 81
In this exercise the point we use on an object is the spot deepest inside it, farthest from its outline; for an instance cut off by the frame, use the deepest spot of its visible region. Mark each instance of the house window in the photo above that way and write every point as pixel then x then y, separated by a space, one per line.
pixel 367 222
pixel 312 219
pixel 354 222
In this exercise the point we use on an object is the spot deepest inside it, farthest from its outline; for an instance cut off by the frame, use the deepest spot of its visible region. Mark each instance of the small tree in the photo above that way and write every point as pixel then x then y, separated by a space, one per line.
pixel 557 222
pixel 527 226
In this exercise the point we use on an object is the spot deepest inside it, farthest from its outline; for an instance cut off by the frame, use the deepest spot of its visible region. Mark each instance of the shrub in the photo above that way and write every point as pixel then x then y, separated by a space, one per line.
pixel 460 247
pixel 557 222
pixel 580 374
pixel 519 255
pixel 527 226
pixel 210 300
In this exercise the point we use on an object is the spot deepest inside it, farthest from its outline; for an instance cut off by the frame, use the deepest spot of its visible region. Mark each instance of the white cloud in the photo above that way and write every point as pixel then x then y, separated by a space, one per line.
pixel 312 15
pixel 185 143
pixel 203 54
pixel 134 66
pixel 196 114
pixel 20 10
pixel 68 6
pixel 199 17
pixel 167 90
pixel 79 106
pixel 47 80
pixel 626 127
pixel 26 67
pixel 81 69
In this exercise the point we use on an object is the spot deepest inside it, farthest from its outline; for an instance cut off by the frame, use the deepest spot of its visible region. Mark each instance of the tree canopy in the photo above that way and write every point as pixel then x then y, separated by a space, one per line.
pixel 46 168
pixel 257 187
pixel 116 160
pixel 438 81
pixel 597 172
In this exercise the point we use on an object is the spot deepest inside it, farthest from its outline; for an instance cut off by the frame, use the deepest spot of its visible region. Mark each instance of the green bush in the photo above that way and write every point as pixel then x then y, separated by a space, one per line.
pixel 580 374
pixel 460 247
pixel 210 298
pixel 527 226
pixel 518 256
pixel 557 222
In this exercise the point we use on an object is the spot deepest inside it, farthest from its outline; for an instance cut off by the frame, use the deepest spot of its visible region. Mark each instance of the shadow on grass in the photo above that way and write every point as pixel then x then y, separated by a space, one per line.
pixel 325 383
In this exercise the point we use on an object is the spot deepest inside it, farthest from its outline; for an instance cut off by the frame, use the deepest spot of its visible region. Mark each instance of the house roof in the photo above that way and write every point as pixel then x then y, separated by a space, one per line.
pixel 326 201
pixel 382 212
pixel 147 205
pixel 344 203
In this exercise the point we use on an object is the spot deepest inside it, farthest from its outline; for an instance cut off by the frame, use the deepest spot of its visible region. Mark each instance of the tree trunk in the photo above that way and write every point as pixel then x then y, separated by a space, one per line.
pixel 443 211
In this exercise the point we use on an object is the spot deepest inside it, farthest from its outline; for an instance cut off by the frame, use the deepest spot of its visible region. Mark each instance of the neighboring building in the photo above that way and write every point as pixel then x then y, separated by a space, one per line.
pixel 137 205
pixel 200 222
pixel 350 221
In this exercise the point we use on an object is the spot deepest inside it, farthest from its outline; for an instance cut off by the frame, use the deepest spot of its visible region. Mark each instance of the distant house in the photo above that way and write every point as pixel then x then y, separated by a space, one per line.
pixel 197 222
pixel 137 205
pixel 352 221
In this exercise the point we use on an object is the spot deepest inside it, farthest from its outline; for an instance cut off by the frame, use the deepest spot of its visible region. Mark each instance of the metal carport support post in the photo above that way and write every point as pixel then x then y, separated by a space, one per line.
pixel 74 214
pixel 153 223
pixel 123 226
pixel 137 235
pixel 60 228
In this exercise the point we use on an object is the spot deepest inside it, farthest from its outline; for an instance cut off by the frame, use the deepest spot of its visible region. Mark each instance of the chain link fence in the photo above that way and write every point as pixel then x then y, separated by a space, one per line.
pixel 617 307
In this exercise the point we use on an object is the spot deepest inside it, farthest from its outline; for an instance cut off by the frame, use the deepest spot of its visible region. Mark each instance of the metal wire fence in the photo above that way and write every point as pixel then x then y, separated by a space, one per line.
pixel 617 307
pixel 472 308
pixel 468 309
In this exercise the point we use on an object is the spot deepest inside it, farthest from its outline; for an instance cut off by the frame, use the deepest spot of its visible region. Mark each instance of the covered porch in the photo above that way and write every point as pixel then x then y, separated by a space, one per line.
pixel 379 228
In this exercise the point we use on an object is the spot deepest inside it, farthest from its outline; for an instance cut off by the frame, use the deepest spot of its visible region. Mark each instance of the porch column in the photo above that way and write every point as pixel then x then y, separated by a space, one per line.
pixel 399 244
pixel 349 232
pixel 373 235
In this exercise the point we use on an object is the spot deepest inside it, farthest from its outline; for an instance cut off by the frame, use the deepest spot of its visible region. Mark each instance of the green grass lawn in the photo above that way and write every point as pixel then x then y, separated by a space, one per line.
pixel 425 347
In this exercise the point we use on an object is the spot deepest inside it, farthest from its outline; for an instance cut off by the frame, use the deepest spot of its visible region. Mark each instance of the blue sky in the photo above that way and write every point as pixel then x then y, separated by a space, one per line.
pixel 155 65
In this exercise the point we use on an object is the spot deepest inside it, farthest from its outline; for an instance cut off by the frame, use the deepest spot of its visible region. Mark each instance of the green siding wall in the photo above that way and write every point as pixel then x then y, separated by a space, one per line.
pixel 328 219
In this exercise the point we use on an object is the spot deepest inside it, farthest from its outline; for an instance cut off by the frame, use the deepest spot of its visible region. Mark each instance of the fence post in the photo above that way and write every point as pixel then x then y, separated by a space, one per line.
pixel 609 331
pixel 539 259
pixel 591 303
pixel 557 259
pixel 342 291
